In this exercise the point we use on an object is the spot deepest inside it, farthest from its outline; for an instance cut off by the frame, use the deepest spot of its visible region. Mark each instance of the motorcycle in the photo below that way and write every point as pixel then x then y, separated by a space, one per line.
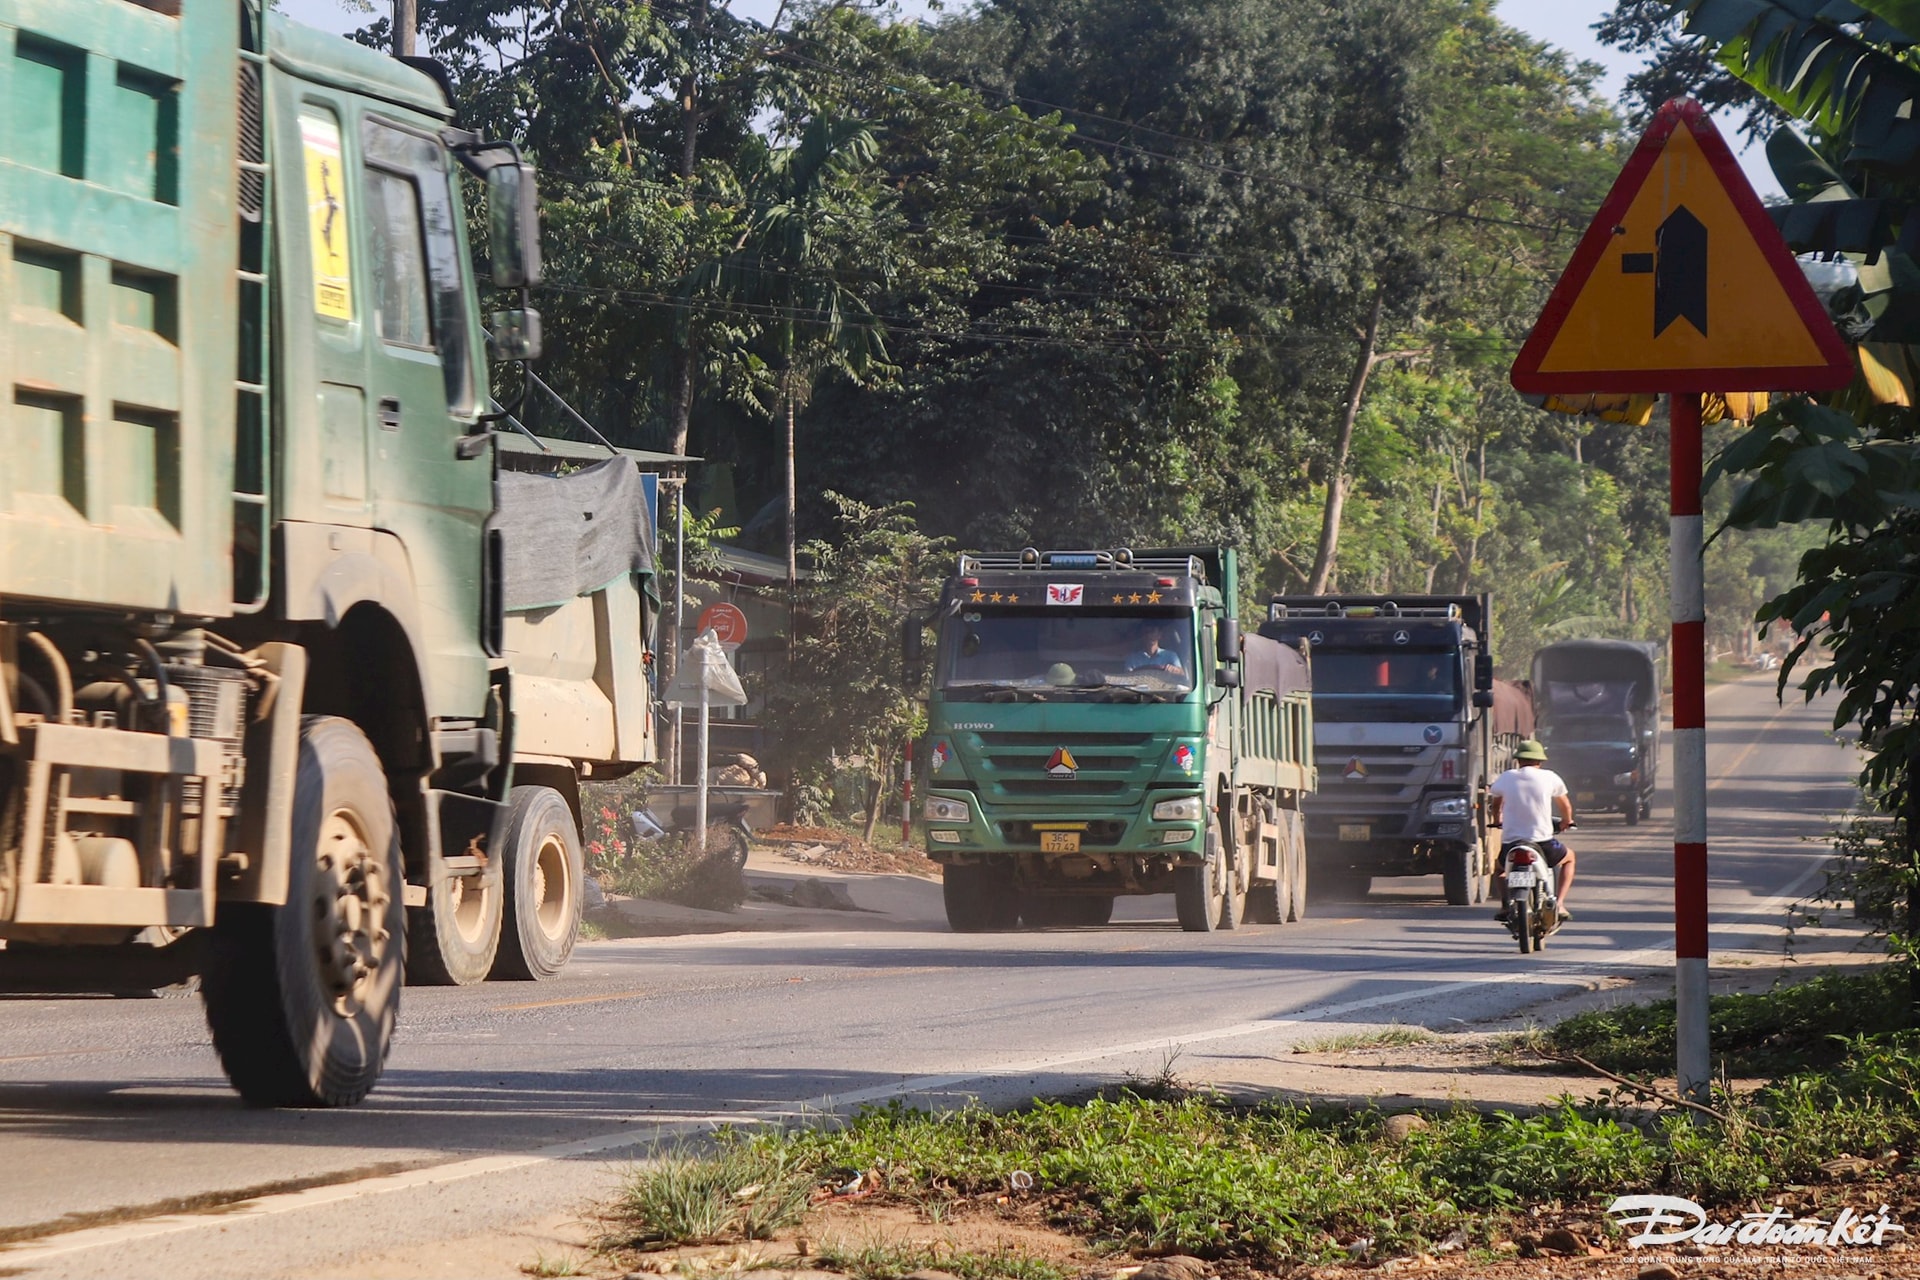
pixel 1533 902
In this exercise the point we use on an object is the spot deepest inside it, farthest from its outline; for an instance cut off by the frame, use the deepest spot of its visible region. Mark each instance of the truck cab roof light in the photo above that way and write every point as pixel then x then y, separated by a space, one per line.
pixel 1165 582
pixel 969 582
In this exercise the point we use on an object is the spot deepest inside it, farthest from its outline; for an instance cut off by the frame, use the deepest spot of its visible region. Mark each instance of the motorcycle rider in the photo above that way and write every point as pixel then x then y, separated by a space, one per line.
pixel 1526 799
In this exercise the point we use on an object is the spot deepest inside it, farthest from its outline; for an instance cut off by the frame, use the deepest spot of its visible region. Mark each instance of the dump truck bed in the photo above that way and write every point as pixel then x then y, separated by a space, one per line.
pixel 577 582
pixel 119 234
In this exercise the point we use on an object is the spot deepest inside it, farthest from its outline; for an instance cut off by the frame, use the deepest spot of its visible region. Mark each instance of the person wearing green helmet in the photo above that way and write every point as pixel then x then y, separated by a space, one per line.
pixel 1526 800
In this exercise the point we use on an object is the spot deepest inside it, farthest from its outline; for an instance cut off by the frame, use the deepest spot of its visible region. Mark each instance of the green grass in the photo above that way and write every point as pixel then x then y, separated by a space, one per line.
pixel 546 1268
pixel 1394 1037
pixel 1790 1028
pixel 878 1258
pixel 739 1191
pixel 1279 1185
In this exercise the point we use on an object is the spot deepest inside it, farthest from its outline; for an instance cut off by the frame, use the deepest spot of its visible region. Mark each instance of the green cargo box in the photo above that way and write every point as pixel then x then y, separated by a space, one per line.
pixel 118 260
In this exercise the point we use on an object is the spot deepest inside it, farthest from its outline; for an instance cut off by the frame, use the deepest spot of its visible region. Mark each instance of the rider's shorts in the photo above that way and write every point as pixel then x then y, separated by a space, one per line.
pixel 1553 851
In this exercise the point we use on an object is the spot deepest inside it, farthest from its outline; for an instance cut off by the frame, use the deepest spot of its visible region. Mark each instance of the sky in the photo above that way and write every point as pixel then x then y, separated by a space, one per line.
pixel 1565 23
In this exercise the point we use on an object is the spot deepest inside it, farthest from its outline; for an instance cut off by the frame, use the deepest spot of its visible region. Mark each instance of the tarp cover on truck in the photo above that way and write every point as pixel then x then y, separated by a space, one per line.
pixel 1512 711
pixel 1269 666
pixel 567 536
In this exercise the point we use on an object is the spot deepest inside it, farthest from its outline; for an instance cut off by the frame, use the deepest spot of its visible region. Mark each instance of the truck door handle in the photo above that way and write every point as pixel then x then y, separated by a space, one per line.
pixel 389 413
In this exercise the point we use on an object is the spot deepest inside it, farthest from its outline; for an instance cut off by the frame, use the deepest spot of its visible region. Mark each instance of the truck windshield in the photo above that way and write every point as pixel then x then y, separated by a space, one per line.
pixel 1075 656
pixel 1397 684
pixel 1598 731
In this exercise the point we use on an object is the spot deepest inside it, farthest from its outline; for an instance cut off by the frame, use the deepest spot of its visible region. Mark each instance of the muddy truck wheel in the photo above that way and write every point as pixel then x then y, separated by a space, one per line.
pixel 1457 867
pixel 1297 880
pixel 1200 892
pixel 979 899
pixel 452 940
pixel 544 872
pixel 302 998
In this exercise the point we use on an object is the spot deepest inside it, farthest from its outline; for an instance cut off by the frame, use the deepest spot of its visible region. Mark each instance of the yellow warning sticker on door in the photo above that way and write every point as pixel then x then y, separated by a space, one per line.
pixel 327 216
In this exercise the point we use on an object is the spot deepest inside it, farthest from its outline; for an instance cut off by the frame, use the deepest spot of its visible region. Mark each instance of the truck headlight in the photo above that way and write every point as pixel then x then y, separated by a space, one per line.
pixel 1176 835
pixel 1626 779
pixel 938 809
pixel 944 835
pixel 1185 809
pixel 1447 807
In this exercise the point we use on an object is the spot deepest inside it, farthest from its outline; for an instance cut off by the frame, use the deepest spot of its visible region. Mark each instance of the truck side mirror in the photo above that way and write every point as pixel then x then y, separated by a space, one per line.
pixel 1226 678
pixel 513 225
pixel 1483 698
pixel 1226 638
pixel 514 334
pixel 1482 673
pixel 912 646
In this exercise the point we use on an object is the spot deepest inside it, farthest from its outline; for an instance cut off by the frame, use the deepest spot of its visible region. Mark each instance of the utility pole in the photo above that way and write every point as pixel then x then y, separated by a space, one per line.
pixel 405 20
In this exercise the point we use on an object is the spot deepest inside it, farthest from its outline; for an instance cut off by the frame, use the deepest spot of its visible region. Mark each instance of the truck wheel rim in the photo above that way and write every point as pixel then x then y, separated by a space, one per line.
pixel 468 897
pixel 550 887
pixel 350 908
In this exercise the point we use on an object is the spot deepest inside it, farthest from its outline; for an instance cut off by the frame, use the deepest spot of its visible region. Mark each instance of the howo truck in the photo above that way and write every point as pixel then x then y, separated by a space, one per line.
pixel 1098 726
pixel 297 683
pixel 1410 727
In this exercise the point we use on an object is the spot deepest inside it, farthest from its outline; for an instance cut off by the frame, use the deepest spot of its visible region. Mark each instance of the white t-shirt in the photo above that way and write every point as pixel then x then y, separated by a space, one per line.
pixel 1526 796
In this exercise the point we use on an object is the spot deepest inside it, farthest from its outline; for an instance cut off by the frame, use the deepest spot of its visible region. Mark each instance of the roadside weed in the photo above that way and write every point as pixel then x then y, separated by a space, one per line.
pixel 740 1191
pixel 878 1258
pixel 545 1267
pixel 1764 1033
pixel 1393 1037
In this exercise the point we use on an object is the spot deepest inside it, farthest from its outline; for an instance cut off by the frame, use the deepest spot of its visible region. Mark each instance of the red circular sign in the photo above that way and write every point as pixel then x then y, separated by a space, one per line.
pixel 725 621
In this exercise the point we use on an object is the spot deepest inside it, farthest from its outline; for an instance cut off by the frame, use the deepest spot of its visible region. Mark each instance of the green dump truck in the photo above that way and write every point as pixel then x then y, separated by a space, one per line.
pixel 1099 726
pixel 297 682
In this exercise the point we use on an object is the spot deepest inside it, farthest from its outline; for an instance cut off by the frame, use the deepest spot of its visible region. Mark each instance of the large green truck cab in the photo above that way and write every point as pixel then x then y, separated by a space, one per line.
pixel 257 698
pixel 1411 726
pixel 1098 727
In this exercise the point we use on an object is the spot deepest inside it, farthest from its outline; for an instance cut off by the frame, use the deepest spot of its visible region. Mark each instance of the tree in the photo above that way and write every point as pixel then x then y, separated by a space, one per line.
pixel 845 695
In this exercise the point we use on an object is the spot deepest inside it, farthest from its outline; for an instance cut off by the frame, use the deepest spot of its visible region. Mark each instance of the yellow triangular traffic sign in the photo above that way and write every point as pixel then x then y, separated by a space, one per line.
pixel 1682 284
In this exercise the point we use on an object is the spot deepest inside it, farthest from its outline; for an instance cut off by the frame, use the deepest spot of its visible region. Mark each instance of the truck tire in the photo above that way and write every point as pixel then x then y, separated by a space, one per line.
pixel 979 899
pixel 453 939
pixel 1297 879
pixel 1044 911
pixel 1457 868
pixel 1267 902
pixel 302 998
pixel 543 872
pixel 1095 911
pixel 1200 891
pixel 1239 880
pixel 1632 811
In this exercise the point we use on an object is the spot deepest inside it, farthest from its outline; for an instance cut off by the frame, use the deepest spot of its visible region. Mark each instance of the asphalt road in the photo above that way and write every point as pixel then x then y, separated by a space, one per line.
pixel 507 1103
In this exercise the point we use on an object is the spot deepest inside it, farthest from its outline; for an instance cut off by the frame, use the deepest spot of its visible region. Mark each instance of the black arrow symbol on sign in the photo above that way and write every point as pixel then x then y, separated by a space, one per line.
pixel 1679 271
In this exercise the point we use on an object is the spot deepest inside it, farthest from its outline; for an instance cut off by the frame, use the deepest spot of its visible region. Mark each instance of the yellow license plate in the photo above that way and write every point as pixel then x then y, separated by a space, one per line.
pixel 1059 842
pixel 1356 831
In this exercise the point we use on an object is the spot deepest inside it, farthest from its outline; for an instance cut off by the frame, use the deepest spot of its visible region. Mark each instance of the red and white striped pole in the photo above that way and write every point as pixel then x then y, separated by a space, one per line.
pixel 1689 656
